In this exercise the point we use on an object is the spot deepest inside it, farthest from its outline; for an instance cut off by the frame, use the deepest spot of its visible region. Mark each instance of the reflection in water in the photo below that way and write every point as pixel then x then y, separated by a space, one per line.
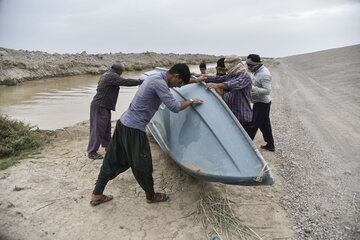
pixel 56 103
pixel 59 102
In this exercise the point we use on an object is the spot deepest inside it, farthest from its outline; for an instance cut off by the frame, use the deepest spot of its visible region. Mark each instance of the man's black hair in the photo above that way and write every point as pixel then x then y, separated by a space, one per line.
pixel 183 70
pixel 202 65
pixel 254 57
pixel 220 62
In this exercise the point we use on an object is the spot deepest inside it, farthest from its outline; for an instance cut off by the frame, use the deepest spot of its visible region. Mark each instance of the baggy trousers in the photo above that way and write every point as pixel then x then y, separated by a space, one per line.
pixel 261 119
pixel 100 128
pixel 129 148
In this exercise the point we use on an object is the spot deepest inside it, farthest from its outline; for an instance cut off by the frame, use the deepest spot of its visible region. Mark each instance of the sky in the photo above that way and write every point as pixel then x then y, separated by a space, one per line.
pixel 270 28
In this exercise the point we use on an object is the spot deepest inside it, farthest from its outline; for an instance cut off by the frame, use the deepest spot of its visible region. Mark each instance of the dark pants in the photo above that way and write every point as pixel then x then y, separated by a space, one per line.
pixel 129 148
pixel 247 127
pixel 100 128
pixel 261 119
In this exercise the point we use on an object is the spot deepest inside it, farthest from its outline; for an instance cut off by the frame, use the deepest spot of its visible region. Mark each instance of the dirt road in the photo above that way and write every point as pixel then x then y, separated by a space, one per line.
pixel 317 118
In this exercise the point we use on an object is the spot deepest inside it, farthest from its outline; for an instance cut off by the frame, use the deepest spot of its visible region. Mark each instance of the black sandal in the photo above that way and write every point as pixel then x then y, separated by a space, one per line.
pixel 104 199
pixel 94 156
pixel 158 197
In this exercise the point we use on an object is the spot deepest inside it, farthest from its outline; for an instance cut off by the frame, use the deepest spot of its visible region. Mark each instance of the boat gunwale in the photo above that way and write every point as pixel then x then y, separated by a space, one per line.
pixel 267 176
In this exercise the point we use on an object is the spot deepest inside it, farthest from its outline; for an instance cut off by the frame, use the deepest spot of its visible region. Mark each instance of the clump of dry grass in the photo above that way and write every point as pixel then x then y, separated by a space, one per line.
pixel 19 140
pixel 217 217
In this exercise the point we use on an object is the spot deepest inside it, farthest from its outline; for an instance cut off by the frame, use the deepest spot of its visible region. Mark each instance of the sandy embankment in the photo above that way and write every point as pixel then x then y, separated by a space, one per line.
pixel 316 194
pixel 20 65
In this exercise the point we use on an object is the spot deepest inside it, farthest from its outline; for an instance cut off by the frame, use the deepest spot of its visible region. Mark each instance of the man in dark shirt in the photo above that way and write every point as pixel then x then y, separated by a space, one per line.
pixel 100 109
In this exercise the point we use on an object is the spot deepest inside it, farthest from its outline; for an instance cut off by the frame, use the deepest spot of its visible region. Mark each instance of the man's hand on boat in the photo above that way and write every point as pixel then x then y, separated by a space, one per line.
pixel 211 85
pixel 197 80
pixel 217 85
pixel 186 103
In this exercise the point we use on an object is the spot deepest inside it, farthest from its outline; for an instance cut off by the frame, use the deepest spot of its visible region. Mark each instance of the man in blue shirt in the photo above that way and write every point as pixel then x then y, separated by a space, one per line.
pixel 129 146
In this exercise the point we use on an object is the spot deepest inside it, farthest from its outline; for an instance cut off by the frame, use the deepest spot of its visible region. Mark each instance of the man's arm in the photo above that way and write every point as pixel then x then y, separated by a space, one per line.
pixel 236 83
pixel 217 85
pixel 264 90
pixel 130 82
pixel 116 80
pixel 217 79
pixel 197 80
pixel 170 102
pixel 211 79
pixel 239 82
pixel 163 92
pixel 186 103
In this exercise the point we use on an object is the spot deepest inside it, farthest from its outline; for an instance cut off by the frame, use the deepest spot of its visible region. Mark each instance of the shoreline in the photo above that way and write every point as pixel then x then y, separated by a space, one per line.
pixel 21 65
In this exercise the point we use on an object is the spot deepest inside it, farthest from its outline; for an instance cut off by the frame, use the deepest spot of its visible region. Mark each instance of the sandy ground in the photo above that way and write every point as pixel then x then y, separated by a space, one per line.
pixel 316 166
pixel 48 198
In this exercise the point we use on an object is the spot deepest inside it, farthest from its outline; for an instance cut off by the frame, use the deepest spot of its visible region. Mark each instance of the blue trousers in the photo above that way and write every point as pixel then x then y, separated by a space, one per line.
pixel 261 119
pixel 100 128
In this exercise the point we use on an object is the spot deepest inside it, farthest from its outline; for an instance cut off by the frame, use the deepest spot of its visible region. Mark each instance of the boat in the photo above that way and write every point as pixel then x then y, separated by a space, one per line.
pixel 206 140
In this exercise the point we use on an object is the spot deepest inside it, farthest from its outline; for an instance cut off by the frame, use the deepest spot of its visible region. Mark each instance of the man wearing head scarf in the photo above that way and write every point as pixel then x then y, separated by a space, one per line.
pixel 237 86
pixel 101 106
pixel 260 96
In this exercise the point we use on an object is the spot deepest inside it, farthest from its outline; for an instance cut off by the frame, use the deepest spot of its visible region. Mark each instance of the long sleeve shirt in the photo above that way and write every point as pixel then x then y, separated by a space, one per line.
pixel 237 97
pixel 261 89
pixel 108 89
pixel 154 91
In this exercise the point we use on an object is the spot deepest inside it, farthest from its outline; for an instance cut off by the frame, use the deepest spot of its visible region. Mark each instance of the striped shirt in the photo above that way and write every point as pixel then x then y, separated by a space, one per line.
pixel 154 91
pixel 237 97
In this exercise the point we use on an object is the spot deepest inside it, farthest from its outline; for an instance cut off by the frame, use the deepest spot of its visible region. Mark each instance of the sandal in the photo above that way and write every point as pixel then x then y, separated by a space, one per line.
pixel 94 156
pixel 158 197
pixel 103 199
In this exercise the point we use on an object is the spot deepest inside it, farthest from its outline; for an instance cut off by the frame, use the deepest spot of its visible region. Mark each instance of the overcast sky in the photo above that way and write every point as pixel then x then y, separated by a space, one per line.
pixel 271 28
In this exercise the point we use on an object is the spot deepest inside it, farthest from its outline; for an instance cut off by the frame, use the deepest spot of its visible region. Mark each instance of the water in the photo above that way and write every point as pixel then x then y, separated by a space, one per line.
pixel 59 102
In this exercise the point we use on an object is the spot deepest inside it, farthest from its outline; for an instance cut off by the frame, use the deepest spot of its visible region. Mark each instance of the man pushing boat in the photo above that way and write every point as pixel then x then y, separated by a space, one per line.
pixel 129 146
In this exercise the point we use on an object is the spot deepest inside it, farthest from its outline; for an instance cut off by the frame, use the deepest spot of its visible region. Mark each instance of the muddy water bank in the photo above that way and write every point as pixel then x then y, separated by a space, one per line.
pixel 57 102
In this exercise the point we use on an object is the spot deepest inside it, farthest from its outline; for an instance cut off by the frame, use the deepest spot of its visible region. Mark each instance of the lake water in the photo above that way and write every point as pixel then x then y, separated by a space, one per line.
pixel 59 102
